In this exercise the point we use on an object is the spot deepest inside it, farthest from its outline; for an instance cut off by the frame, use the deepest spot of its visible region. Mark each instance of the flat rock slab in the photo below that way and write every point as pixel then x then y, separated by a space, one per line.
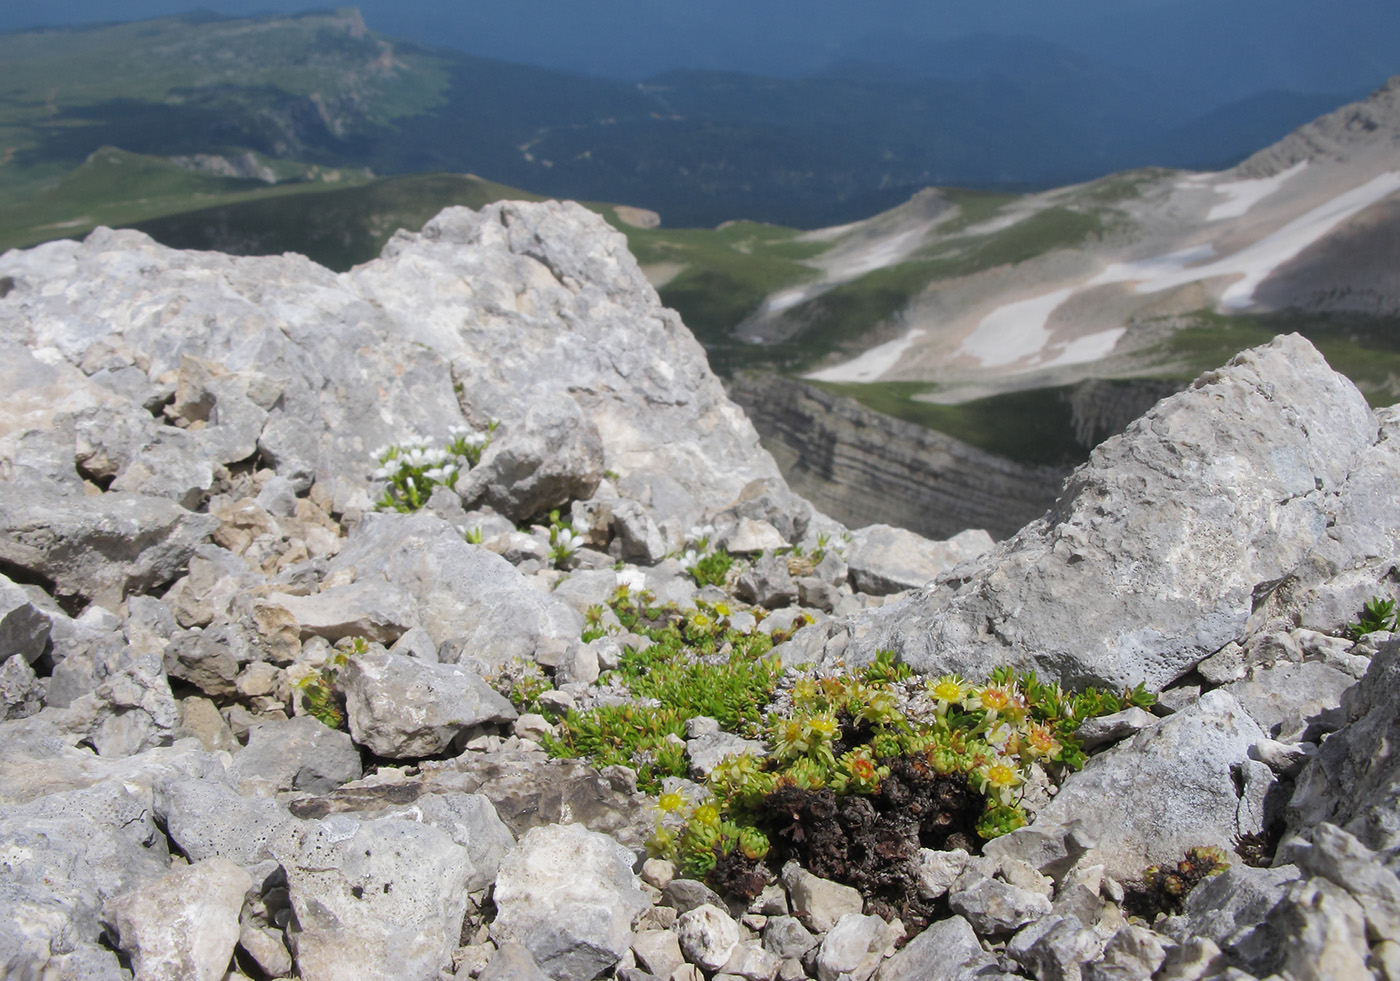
pixel 376 900
pixel 401 707
pixel 1169 788
pixel 882 559
pixel 101 548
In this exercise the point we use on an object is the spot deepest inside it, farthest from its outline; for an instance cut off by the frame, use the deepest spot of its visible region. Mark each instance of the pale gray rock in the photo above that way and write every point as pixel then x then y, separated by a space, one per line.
pixel 752 963
pixel 854 947
pixel 266 947
pixel 211 659
pixel 1132 954
pixel 1054 948
pixel 375 900
pixel 130 709
pixel 639 539
pixel 1100 730
pixel 171 466
pixel 708 936
pixel 21 691
pixel 1051 849
pixel 1151 559
pixel 210 820
pixel 529 792
pixel 67 854
pixel 708 750
pixel 768 501
pixel 183 926
pixel 463 593
pixel 939 870
pixel 1235 910
pixel 380 612
pixel 216 578
pixel 1287 699
pixel 767 582
pixel 98 549
pixel 1354 781
pixel 470 820
pixel 24 629
pixel 1321 933
pixel 1192 960
pixel 401 707
pixel 1169 788
pixel 945 951
pixel 684 895
pixel 1333 854
pixel 570 896
pixel 1285 759
pixel 512 962
pixel 302 753
pixel 995 907
pixel 882 559
pixel 416 642
pixel 786 937
pixel 820 902
pixel 658 951
pixel 749 537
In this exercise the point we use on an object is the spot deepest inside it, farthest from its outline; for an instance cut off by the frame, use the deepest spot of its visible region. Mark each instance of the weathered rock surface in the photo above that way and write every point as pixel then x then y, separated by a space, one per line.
pixel 183 926
pixel 401 707
pixel 375 899
pixel 1161 545
pixel 568 895
pixel 884 560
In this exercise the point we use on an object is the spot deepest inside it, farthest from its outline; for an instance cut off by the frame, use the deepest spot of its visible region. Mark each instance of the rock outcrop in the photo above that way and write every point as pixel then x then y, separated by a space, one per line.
pixel 255 724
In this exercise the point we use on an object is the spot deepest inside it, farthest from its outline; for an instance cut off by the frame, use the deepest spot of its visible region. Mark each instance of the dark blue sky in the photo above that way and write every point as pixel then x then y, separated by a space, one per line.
pixel 1231 47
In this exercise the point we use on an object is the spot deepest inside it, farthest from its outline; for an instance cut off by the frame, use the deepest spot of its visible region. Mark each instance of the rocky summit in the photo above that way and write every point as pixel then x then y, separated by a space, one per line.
pixel 444 619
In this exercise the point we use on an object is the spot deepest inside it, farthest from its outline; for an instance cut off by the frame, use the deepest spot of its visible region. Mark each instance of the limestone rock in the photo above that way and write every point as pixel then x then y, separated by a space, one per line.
pixel 570 896
pixel 945 951
pixel 301 753
pixel 1169 788
pixel 708 936
pixel 854 947
pixel 98 549
pixel 379 612
pixel 183 926
pixel 820 901
pixel 376 899
pixel 1152 557
pixel 884 560
pixel 24 630
pixel 1354 780
pixel 463 594
pixel 400 707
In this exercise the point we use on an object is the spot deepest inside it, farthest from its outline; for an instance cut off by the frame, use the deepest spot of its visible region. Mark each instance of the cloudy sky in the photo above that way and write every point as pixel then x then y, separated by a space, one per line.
pixel 1234 46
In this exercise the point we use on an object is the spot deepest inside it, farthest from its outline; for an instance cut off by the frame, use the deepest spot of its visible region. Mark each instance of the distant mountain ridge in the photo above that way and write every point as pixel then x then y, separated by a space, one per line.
pixel 699 147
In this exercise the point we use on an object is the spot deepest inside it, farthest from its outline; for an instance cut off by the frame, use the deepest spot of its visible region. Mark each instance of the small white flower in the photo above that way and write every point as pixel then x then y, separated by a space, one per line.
pixel 566 541
pixel 633 579
pixel 408 481
pixel 689 559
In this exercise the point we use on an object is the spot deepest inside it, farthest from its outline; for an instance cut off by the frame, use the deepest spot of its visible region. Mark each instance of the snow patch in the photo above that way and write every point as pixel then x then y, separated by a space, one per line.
pixel 870 365
pixel 1254 263
pixel 1243 195
pixel 1091 347
pixel 1014 331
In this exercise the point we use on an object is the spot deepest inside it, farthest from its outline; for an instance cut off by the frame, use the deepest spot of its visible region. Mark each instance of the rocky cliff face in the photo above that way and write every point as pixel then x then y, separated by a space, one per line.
pixel 253 712
pixel 866 468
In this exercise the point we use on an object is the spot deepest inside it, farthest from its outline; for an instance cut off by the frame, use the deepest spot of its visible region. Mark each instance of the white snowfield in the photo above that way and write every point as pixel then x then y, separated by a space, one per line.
pixel 1243 195
pixel 872 364
pixel 1018 332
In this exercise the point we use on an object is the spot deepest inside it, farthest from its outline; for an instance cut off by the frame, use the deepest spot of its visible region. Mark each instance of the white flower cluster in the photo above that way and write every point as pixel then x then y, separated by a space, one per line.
pixel 412 469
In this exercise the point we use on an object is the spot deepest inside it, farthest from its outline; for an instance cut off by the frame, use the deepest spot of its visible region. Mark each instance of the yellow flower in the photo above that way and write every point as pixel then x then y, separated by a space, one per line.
pixel 671 802
pixel 707 815
pixel 999 780
pixel 947 690
pixel 1039 742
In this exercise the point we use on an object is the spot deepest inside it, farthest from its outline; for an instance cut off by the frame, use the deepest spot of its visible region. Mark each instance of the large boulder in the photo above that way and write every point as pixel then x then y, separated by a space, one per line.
pixel 531 315
pixel 1159 547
